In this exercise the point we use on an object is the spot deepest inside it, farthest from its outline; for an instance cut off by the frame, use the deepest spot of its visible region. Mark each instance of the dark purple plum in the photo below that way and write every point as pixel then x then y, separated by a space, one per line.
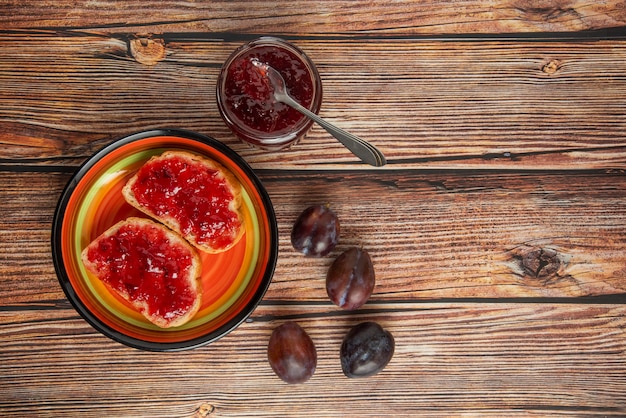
pixel 291 353
pixel 350 279
pixel 316 231
pixel 366 350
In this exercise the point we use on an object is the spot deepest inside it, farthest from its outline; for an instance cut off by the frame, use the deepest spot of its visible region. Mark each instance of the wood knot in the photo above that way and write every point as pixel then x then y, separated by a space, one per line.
pixel 551 67
pixel 541 263
pixel 204 410
pixel 146 50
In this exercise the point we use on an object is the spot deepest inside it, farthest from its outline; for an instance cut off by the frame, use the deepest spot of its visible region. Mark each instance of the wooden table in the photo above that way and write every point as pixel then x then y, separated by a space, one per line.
pixel 497 229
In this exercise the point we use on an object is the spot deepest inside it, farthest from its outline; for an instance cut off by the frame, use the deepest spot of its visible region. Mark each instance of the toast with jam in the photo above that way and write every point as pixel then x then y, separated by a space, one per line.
pixel 151 267
pixel 191 194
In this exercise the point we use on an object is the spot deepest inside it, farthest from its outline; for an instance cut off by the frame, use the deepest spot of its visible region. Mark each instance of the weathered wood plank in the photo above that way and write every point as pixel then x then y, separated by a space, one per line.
pixel 537 359
pixel 433 236
pixel 437 104
pixel 465 234
pixel 320 18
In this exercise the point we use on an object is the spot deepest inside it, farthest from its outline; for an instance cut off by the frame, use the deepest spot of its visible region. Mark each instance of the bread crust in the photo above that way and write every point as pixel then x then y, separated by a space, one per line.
pixel 234 205
pixel 192 279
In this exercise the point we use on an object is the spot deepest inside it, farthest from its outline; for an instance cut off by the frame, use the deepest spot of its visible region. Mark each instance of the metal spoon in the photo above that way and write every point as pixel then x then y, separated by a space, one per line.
pixel 359 147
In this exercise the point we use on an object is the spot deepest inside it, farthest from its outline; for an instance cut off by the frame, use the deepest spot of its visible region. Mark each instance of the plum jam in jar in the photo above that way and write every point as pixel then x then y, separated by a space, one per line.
pixel 245 96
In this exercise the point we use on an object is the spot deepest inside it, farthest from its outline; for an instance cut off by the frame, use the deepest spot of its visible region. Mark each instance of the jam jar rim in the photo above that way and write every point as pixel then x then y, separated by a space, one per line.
pixel 278 138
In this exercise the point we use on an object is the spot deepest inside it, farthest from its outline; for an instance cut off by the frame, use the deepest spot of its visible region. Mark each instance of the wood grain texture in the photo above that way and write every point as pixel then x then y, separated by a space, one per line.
pixel 334 17
pixel 487 360
pixel 455 104
pixel 497 230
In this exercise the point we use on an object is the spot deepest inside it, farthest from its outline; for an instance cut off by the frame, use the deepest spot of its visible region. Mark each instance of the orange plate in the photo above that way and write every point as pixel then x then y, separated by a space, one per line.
pixel 234 281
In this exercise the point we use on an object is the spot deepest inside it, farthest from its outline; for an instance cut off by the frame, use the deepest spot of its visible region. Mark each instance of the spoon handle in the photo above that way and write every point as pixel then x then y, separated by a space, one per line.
pixel 364 150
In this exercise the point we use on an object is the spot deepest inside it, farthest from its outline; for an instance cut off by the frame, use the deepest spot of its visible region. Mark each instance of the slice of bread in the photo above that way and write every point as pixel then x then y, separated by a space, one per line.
pixel 149 266
pixel 193 195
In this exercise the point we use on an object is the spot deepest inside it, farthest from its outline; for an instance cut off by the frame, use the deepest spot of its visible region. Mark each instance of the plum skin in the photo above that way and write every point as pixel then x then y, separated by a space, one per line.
pixel 315 232
pixel 350 279
pixel 366 350
pixel 291 353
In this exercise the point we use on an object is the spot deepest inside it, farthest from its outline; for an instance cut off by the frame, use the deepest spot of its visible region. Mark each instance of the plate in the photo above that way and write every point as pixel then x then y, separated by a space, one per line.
pixel 234 281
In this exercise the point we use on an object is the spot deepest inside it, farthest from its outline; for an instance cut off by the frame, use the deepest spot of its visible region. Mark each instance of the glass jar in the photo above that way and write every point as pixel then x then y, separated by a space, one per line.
pixel 245 97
